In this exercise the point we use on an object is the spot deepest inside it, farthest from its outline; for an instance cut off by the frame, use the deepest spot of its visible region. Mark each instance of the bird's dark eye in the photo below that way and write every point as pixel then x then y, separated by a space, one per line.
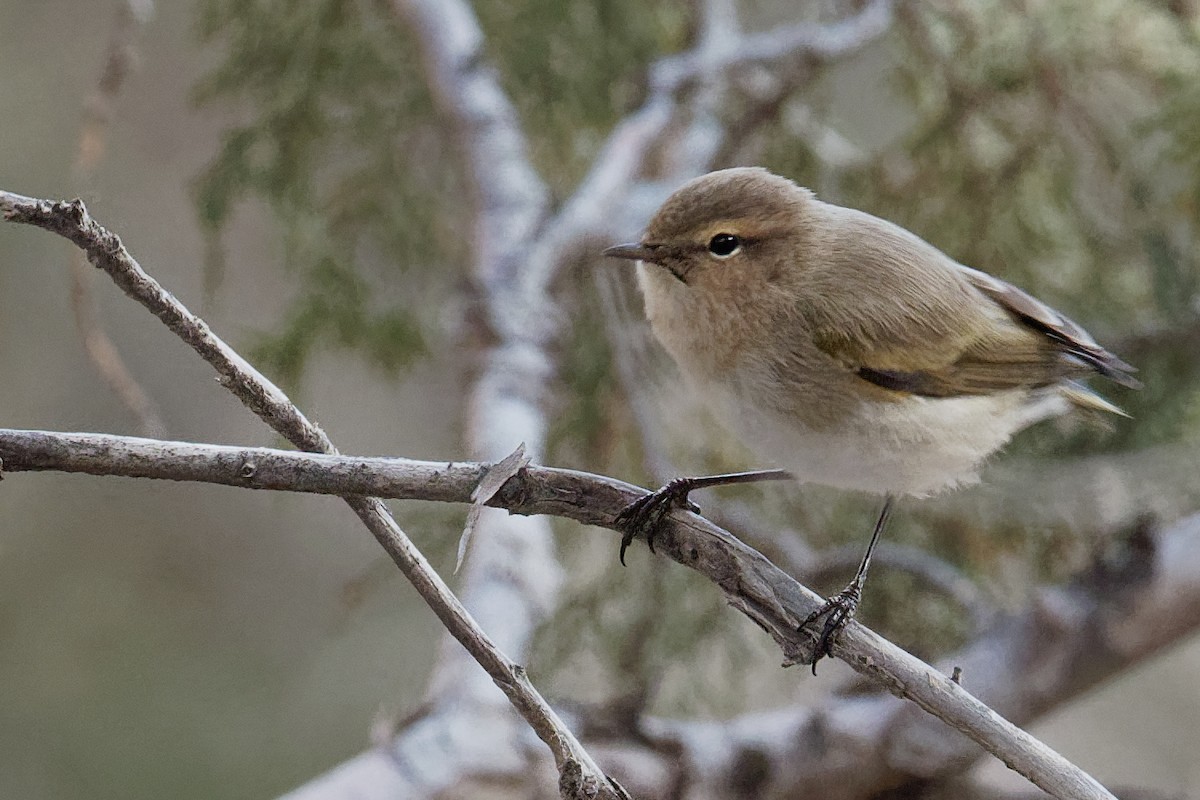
pixel 723 245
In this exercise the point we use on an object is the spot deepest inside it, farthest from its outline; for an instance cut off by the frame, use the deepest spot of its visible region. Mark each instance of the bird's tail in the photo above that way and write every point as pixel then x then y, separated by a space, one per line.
pixel 1081 396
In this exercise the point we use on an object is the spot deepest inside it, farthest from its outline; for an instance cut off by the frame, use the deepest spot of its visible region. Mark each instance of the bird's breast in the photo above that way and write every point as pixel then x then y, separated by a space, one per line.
pixel 706 335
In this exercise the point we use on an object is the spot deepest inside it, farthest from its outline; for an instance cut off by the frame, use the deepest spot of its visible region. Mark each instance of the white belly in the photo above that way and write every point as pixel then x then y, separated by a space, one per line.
pixel 916 446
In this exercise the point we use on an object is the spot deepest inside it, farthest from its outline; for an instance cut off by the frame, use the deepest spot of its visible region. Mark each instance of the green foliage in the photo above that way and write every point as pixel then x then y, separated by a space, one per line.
pixel 340 140
pixel 341 144
pixel 1029 154
pixel 334 307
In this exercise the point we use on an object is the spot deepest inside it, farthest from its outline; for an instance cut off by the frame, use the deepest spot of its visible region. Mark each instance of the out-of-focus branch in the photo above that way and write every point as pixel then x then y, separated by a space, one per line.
pixel 98 111
pixel 579 775
pixel 512 575
pixel 1100 492
pixel 119 61
pixel 511 198
pixel 788 43
pixel 1131 603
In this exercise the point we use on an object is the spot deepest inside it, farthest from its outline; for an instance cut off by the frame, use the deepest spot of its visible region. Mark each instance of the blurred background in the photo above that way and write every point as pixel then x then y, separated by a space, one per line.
pixel 281 168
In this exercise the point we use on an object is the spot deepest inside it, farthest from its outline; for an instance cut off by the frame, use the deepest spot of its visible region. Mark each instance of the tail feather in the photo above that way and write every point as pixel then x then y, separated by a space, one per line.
pixel 1081 396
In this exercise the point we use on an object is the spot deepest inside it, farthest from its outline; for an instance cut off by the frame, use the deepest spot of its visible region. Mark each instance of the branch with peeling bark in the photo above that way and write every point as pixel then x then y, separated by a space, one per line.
pixel 1124 609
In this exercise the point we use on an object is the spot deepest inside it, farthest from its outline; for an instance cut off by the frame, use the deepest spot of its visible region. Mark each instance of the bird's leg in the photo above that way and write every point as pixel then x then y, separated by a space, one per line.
pixel 841 607
pixel 645 514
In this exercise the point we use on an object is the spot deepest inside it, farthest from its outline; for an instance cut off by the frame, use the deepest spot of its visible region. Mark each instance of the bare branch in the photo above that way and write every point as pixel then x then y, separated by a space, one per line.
pixel 580 775
pixel 789 43
pixel 1122 611
pixel 1142 343
pixel 776 62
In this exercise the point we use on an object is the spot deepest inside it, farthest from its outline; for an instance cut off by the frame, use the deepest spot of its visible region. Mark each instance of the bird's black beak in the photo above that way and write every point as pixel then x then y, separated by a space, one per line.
pixel 650 253
pixel 636 251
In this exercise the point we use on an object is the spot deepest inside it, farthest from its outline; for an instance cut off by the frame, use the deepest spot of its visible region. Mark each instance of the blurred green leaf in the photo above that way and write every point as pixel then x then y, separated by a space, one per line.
pixel 335 308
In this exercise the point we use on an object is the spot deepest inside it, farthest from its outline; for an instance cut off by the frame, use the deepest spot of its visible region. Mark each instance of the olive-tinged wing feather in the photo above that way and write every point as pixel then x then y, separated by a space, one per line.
pixel 1075 341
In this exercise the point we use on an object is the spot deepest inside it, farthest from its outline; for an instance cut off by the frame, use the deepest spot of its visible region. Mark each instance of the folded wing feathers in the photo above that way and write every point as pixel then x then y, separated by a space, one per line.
pixel 1075 341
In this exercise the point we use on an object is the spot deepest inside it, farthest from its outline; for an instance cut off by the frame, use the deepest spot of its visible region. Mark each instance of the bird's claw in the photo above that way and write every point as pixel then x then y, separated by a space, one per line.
pixel 646 514
pixel 838 611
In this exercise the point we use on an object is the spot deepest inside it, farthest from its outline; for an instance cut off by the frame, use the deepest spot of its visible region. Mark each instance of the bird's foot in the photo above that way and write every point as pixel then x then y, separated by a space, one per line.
pixel 646 514
pixel 838 611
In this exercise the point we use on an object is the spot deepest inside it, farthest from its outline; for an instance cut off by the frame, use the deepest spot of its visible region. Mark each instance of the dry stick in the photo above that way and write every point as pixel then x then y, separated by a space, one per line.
pixel 98 111
pixel 751 583
pixel 581 777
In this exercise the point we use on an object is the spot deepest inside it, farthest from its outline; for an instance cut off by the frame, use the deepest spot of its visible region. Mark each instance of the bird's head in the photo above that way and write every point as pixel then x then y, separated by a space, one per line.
pixel 730 231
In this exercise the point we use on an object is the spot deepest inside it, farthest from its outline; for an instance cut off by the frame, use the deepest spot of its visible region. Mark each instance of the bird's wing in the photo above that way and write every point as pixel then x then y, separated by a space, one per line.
pixel 1068 336
pixel 1009 357
pixel 952 330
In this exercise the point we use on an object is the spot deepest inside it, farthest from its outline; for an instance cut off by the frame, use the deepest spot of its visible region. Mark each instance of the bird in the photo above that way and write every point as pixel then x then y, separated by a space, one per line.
pixel 846 350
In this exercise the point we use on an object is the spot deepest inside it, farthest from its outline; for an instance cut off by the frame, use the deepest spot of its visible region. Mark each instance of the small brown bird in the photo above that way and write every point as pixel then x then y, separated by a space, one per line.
pixel 846 349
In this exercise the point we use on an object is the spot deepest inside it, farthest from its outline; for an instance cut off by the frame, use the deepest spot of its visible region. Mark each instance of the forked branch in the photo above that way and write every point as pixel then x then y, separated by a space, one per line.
pixel 580 776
